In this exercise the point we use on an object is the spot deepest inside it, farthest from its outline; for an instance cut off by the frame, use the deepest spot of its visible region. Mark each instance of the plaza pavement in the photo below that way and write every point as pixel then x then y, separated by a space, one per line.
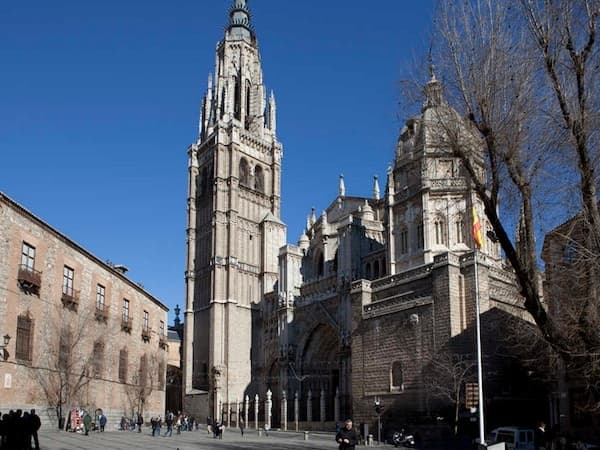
pixel 187 440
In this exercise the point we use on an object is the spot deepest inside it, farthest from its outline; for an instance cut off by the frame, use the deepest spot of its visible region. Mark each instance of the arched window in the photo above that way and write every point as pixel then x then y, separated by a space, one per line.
pixel 403 237
pixel 259 179
pixel 237 101
pixel 204 181
pixel 123 365
pixel 396 377
pixel 376 270
pixel 383 268
pixel 244 172
pixel 439 226
pixel 459 229
pixel 143 373
pixel 248 99
pixel 320 264
pixel 368 271
pixel 420 236
pixel 222 112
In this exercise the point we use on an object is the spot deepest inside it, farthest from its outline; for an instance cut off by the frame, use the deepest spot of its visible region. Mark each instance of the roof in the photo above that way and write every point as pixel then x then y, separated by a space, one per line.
pixel 22 210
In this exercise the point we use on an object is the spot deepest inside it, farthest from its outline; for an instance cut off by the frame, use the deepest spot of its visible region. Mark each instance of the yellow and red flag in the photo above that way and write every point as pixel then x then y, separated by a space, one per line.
pixel 477 233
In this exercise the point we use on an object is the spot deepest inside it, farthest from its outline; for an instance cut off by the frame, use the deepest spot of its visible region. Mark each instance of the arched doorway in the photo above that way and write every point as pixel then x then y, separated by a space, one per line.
pixel 319 367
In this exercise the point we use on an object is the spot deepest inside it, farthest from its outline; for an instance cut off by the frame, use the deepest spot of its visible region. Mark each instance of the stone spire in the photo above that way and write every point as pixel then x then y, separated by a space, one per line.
pixel 434 95
pixel 376 192
pixel 342 187
pixel 272 113
pixel 240 26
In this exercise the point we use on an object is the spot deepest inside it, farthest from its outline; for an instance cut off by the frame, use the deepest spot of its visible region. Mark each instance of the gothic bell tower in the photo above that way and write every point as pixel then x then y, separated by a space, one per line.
pixel 234 228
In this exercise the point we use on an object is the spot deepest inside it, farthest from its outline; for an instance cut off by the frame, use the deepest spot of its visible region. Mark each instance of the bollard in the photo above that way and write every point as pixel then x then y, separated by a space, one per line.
pixel 259 432
pixel 370 440
pixel 306 435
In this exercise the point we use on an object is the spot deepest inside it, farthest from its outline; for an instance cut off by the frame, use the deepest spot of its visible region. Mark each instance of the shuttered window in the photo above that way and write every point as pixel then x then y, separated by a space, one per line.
pixel 123 366
pixel 24 342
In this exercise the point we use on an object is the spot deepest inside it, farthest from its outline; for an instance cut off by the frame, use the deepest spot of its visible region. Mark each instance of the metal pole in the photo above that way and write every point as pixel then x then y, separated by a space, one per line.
pixel 378 429
pixel 479 359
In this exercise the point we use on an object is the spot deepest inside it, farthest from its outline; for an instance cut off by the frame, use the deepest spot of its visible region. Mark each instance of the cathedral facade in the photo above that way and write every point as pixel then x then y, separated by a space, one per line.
pixel 374 288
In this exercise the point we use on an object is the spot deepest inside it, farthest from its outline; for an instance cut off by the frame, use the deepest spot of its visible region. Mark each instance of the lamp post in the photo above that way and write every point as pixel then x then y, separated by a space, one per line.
pixel 378 410
pixel 6 341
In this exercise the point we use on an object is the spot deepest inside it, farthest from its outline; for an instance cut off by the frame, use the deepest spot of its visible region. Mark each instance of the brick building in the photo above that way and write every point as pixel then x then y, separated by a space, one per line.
pixel 83 335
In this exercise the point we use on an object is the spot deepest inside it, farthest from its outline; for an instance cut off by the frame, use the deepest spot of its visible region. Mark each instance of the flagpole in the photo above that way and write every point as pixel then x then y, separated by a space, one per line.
pixel 479 351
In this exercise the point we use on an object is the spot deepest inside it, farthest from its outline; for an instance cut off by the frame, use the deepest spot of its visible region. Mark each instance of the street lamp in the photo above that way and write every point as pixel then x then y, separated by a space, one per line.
pixel 6 340
pixel 378 411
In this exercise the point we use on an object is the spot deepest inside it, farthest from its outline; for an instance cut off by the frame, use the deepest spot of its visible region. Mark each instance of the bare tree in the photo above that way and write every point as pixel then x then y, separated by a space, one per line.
pixel 66 366
pixel 446 378
pixel 524 77
pixel 146 380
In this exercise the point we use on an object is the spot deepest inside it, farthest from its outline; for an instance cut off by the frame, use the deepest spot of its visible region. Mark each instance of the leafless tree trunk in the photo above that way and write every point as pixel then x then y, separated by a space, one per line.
pixel 525 76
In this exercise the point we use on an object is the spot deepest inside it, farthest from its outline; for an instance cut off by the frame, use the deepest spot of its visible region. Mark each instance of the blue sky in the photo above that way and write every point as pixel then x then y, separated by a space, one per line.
pixel 99 102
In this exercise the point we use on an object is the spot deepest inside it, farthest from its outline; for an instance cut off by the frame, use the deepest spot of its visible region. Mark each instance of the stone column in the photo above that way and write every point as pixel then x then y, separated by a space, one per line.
pixel 220 418
pixel 284 410
pixel 228 415
pixel 237 413
pixel 256 411
pixel 296 411
pixel 268 409
pixel 322 399
pixel 336 406
pixel 309 407
pixel 246 406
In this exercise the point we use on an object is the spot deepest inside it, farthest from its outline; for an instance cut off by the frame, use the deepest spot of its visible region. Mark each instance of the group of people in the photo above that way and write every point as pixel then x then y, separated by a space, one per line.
pixel 180 422
pixel 18 428
pixel 80 420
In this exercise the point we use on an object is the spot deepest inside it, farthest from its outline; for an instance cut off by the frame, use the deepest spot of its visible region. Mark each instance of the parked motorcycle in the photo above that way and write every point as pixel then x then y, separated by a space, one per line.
pixel 403 439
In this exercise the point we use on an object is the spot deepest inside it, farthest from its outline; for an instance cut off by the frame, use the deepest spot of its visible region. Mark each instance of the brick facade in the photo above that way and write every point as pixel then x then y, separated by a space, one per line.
pixel 91 331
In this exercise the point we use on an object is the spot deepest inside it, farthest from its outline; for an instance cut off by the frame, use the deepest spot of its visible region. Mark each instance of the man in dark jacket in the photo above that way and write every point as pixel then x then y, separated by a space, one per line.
pixel 347 437
pixel 36 424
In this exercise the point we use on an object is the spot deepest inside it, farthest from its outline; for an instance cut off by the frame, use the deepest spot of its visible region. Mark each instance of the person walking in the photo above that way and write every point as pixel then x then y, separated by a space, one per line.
pixel 140 422
pixel 102 420
pixel 347 437
pixel 539 436
pixel 87 423
pixel 242 425
pixel 169 422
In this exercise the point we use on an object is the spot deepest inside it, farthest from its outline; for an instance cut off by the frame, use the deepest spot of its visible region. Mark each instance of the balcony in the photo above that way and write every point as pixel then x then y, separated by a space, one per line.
pixel 126 324
pixel 70 298
pixel 29 279
pixel 146 332
pixel 101 313
pixel 162 342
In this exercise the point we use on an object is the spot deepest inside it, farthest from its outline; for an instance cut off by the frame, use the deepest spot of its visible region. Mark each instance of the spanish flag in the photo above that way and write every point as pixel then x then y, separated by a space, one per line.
pixel 477 234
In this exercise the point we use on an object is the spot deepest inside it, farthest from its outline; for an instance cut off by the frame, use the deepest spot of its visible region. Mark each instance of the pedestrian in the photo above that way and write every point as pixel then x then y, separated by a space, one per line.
pixel 140 422
pixel 87 423
pixel 169 422
pixel 539 436
pixel 102 420
pixel 209 424
pixel 267 428
pixel 36 423
pixel 242 425
pixel 347 437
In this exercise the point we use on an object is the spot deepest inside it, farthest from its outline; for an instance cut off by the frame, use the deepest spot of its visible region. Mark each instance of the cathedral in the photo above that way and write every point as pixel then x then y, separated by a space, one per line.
pixel 353 312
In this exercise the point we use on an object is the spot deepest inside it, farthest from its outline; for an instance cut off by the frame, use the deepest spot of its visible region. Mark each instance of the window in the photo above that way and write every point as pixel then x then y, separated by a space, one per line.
pixel 222 113
pixel 237 110
pixel 161 376
pixel 27 256
pixel 368 271
pixel 460 235
pixel 125 310
pixel 244 172
pixel 98 359
pixel 259 179
pixel 68 275
pixel 24 342
pixel 440 231
pixel 396 377
pixel 100 297
pixel 143 374
pixel 145 321
pixel 64 349
pixel 403 241
pixel 123 366
pixel 162 329
pixel 420 236
pixel 320 264
pixel 248 114
pixel 376 270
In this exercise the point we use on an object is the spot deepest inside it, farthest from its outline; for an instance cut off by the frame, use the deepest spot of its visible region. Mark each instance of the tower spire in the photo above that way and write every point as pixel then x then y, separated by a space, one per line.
pixel 342 187
pixel 240 26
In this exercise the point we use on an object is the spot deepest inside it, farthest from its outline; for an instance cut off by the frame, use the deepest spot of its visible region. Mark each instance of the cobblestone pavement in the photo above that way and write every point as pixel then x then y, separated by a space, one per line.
pixel 189 440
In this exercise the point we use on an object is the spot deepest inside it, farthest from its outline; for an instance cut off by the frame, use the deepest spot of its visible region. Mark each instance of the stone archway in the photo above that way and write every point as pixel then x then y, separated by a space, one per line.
pixel 320 367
